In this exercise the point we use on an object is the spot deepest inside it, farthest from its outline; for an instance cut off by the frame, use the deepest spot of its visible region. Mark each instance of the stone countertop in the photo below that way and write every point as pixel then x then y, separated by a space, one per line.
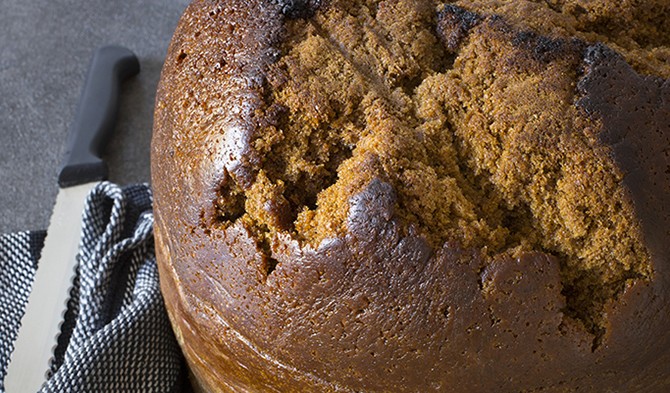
pixel 45 48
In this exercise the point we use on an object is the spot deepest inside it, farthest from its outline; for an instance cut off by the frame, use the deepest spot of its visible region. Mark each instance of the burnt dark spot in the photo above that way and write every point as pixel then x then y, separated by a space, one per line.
pixel 597 54
pixel 524 38
pixel 546 47
pixel 294 9
pixel 541 48
pixel 453 25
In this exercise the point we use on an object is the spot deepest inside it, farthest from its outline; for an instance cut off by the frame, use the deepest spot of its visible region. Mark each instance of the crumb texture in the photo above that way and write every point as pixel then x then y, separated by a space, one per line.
pixel 472 120
pixel 636 29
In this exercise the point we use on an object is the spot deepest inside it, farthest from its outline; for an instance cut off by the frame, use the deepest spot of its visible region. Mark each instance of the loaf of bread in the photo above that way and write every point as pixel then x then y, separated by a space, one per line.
pixel 414 196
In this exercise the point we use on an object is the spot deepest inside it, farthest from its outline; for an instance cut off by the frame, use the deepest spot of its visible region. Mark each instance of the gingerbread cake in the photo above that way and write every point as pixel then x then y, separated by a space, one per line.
pixel 413 196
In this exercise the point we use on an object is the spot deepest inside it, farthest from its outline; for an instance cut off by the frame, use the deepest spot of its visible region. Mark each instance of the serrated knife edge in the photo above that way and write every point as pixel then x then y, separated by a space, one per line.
pixel 43 315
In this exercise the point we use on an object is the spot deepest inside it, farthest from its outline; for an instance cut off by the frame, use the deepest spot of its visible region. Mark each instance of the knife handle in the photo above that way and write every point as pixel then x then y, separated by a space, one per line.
pixel 95 116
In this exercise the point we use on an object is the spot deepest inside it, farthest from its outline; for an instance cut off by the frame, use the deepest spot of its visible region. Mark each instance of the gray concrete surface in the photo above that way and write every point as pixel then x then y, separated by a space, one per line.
pixel 45 47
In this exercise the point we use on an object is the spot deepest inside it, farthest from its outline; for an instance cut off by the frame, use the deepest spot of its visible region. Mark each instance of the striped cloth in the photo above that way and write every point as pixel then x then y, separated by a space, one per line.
pixel 116 335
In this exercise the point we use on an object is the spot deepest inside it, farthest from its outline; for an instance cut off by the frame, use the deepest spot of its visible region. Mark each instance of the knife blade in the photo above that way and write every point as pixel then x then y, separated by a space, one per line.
pixel 81 170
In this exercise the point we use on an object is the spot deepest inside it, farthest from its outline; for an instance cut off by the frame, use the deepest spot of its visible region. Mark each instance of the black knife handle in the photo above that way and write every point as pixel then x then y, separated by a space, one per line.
pixel 95 117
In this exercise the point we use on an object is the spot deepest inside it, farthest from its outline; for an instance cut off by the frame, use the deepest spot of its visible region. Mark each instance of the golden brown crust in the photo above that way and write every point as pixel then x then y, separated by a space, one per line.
pixel 380 306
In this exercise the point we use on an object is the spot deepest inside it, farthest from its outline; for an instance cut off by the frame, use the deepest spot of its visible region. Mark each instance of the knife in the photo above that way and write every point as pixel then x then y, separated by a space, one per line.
pixel 81 170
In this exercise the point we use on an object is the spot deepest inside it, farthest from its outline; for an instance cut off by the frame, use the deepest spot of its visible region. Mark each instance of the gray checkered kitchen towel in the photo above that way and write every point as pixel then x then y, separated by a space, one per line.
pixel 116 335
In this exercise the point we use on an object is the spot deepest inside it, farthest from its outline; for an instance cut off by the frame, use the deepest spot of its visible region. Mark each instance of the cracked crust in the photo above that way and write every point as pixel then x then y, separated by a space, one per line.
pixel 293 266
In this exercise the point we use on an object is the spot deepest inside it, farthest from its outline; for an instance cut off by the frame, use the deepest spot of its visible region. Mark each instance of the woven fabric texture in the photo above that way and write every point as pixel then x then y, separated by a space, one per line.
pixel 116 336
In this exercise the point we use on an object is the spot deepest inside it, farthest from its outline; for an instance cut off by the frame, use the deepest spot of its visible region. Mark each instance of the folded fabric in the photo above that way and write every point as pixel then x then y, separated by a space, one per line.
pixel 116 336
